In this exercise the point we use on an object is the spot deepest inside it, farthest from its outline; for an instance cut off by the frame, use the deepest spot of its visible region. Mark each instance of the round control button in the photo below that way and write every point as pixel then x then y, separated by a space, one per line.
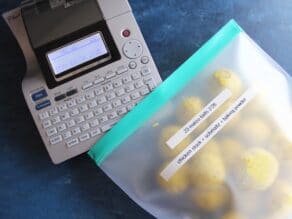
pixel 144 60
pixel 132 65
pixel 133 49
pixel 126 33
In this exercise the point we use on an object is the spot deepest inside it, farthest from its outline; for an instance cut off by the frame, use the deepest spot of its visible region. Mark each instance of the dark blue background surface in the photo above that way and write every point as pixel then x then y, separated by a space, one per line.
pixel 31 186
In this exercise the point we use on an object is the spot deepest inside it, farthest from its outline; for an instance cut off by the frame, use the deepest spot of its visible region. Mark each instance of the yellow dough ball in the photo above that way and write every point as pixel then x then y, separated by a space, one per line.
pixel 256 169
pixel 232 215
pixel 207 167
pixel 280 200
pixel 228 79
pixel 281 145
pixel 178 183
pixel 255 131
pixel 210 198
pixel 166 134
pixel 189 107
pixel 232 149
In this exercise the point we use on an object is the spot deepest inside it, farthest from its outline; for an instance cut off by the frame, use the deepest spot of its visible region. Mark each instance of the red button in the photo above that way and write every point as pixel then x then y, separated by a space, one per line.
pixel 126 33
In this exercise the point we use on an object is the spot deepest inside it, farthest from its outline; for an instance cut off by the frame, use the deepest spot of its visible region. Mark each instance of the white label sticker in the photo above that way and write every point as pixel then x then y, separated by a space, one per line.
pixel 199 118
pixel 207 135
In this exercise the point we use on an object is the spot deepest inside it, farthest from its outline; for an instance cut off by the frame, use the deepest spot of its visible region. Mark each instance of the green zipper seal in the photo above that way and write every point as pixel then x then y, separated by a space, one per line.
pixel 163 93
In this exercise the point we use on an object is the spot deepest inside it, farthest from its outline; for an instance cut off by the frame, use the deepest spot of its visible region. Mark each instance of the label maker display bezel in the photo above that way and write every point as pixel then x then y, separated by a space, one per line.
pixel 50 77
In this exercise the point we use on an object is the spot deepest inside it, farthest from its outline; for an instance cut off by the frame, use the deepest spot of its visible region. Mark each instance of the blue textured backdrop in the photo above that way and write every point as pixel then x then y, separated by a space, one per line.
pixel 31 187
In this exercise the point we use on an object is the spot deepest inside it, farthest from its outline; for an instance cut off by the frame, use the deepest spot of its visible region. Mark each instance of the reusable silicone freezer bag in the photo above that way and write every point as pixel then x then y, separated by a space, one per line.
pixel 213 141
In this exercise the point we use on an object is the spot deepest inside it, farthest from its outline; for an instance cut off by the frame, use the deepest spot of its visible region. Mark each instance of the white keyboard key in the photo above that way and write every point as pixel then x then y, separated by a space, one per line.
pixel 61 127
pixel 80 99
pixel 107 107
pixel 62 107
pixel 92 104
pixel 107 127
pixel 144 91
pixel 129 88
pixel 89 95
pixel 108 87
pixel 110 96
pixel 117 103
pixel 53 111
pixel 122 69
pixel 74 112
pixel 99 80
pixel 87 86
pixel 122 111
pixel 65 116
pixel 56 120
pixel 150 83
pixel 47 124
pixel 70 123
pixel 95 132
pixel 145 71
pixel 72 142
pixel 136 75
pixel 99 91
pixel 110 75
pixel 76 131
pixel 126 79
pixel 131 106
pixel 117 83
pixel 67 135
pixel 94 123
pixel 84 137
pixel 44 115
pixel 120 92
pixel 85 127
pixel 51 132
pixel 71 103
pixel 112 115
pixel 56 140
pixel 139 84
pixel 89 115
pixel 80 119
pixel 125 99
pixel 101 100
pixel 83 108
pixel 135 96
pixel 98 111
pixel 103 119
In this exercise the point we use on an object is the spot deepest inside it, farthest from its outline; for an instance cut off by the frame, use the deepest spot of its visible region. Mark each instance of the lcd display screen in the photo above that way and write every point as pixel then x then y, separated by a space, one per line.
pixel 77 53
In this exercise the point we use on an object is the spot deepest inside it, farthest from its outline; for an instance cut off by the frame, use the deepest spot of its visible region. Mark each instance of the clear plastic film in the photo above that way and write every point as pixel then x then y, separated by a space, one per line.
pixel 213 141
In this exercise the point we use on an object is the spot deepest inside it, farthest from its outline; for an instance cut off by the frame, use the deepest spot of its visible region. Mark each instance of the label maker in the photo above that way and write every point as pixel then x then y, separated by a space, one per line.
pixel 87 66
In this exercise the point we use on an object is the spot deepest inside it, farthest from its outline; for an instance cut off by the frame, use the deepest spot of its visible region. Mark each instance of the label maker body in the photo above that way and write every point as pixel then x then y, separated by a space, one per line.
pixel 87 66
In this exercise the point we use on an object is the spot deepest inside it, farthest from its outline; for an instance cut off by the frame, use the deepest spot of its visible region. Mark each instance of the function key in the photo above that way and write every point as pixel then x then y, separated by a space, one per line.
pixel 121 70
pixel 43 105
pixel 80 99
pixel 39 95
pixel 144 60
pixel 99 80
pixel 117 83
pixel 99 91
pixel 62 107
pixel 72 92
pixel 87 86
pixel 60 97
pixel 110 75
pixel 145 71
pixel 89 95
pixel 71 103
pixel 132 65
